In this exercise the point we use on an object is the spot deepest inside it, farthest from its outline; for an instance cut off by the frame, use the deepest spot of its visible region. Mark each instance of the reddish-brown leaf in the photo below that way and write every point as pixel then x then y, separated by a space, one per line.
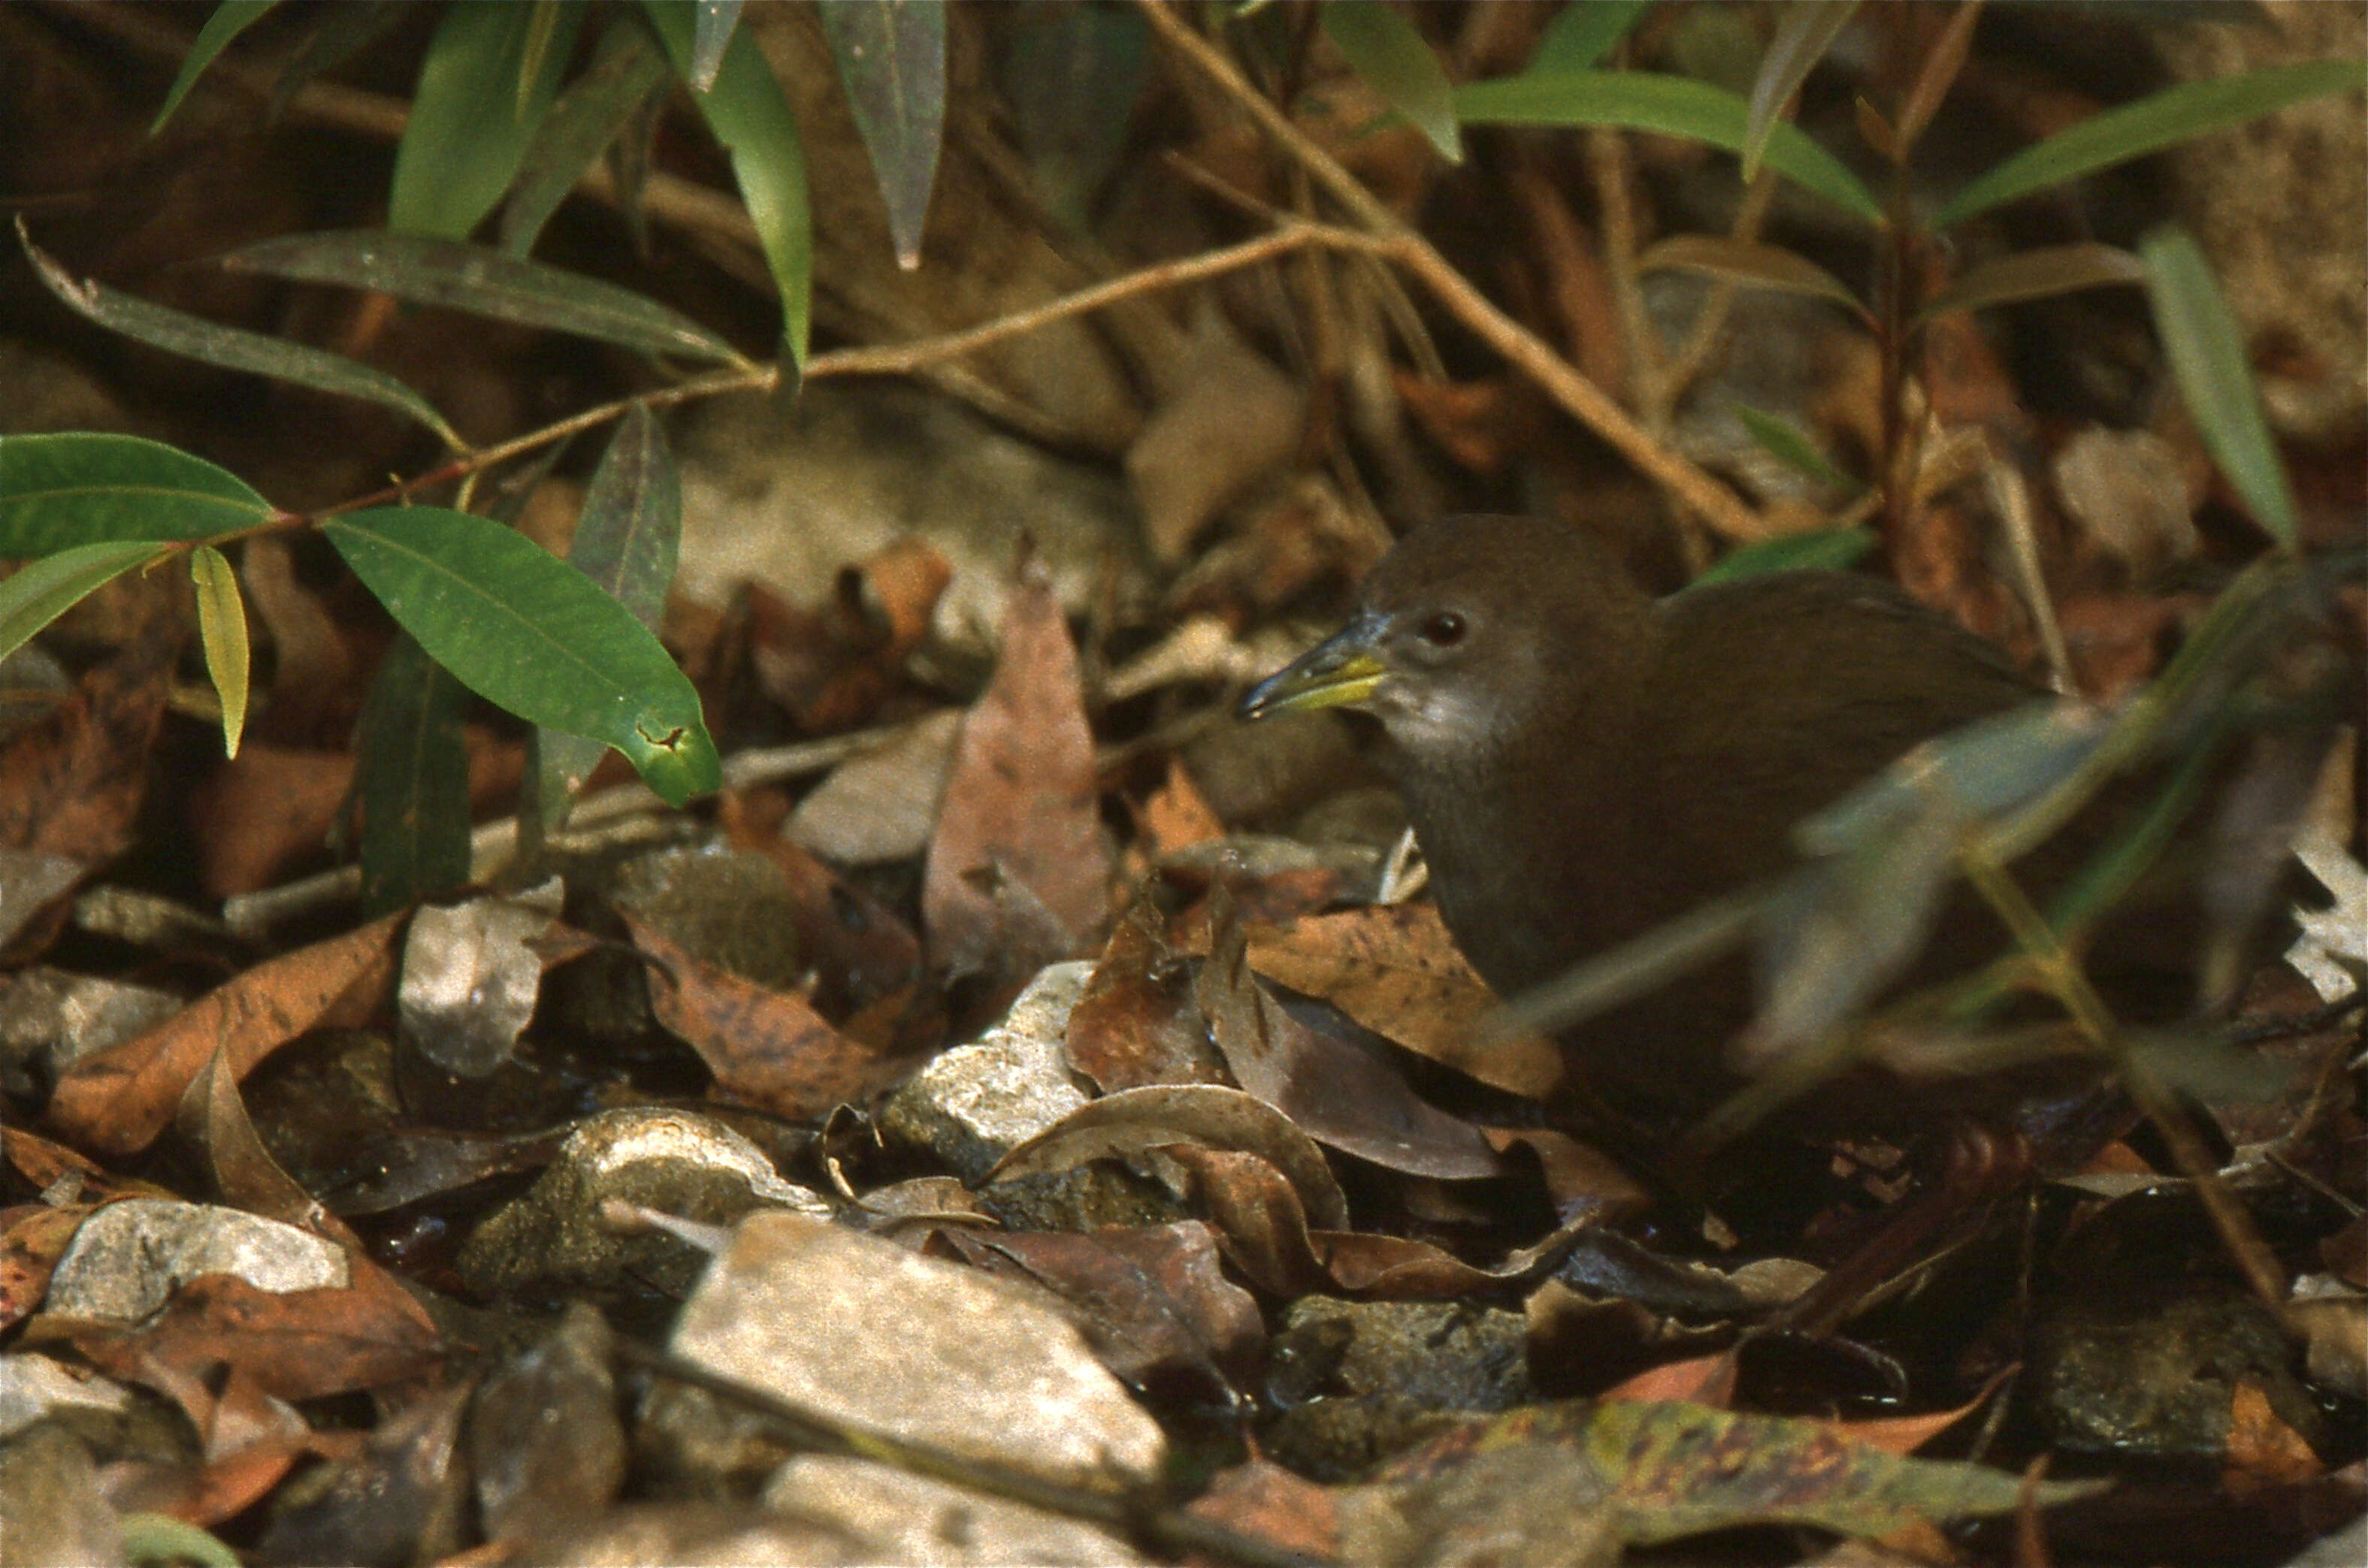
pixel 119 1099
pixel 71 785
pixel 1018 873
pixel 1135 1022
pixel 767 1047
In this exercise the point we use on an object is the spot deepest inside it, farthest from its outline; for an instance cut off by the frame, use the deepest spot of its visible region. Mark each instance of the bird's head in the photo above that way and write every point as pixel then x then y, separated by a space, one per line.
pixel 1466 631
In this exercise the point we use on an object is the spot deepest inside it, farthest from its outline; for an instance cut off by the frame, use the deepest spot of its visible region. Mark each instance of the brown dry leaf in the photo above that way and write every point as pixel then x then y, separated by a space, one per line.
pixel 1905 1434
pixel 902 584
pixel 214 1119
pixel 1704 1379
pixel 1267 1502
pixel 1135 1023
pixel 1483 424
pixel 1342 1094
pixel 1582 1181
pixel 71 785
pixel 767 1049
pixel 263 809
pixel 119 1099
pixel 1227 419
pixel 293 1344
pixel 2262 1449
pixel 1151 1298
pixel 1394 970
pixel 1018 873
pixel 32 1238
pixel 312 679
pixel 1177 814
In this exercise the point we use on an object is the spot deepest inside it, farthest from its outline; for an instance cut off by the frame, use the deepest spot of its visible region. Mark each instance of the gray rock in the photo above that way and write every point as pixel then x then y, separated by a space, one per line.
pixel 129 1257
pixel 974 1104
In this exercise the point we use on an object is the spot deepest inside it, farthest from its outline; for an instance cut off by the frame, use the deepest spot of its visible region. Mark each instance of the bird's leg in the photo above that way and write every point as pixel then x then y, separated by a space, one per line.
pixel 1980 1162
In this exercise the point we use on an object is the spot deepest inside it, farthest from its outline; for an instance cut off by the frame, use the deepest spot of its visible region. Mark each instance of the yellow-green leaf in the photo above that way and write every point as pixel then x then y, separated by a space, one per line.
pixel 222 627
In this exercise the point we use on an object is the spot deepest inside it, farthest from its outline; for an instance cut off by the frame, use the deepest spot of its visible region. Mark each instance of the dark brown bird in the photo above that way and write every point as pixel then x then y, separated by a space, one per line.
pixel 1583 763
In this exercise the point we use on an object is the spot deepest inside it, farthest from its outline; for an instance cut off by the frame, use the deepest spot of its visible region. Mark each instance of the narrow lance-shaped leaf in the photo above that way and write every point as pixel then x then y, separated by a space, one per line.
pixel 1784 440
pixel 469 127
pixel 891 63
pixel 749 116
pixel 1821 550
pixel 2151 124
pixel 2035 275
pixel 626 542
pixel 221 628
pixel 1580 35
pixel 231 18
pixel 40 591
pixel 412 768
pixel 541 31
pixel 1672 106
pixel 483 282
pixel 232 348
pixel 1382 46
pixel 1751 263
pixel 623 76
pixel 2206 349
pixel 1804 31
pixel 1942 65
pixel 716 20
pixel 534 635
pixel 79 487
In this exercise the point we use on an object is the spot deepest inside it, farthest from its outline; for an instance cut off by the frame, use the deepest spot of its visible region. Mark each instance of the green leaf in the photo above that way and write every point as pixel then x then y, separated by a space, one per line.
pixel 1672 106
pixel 231 348
pixel 1390 56
pixel 469 122
pixel 626 542
pixel 541 31
pixel 625 75
pixel 2206 349
pixel 40 591
pixel 221 628
pixel 414 781
pixel 891 63
pixel 1804 31
pixel 2035 275
pixel 1751 263
pixel 231 18
pixel 1784 440
pixel 1821 550
pixel 534 635
pixel 749 116
pixel 483 282
pixel 716 20
pixel 1582 35
pixel 160 1537
pixel 2175 115
pixel 79 488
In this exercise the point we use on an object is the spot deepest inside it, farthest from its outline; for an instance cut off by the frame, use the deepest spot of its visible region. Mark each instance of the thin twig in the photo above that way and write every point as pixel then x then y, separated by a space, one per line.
pixel 1385 235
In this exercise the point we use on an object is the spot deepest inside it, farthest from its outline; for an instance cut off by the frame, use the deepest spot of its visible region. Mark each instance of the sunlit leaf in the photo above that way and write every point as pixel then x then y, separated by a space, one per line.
pixel 716 20
pixel 60 490
pixel 160 1537
pixel 584 120
pixel 1785 441
pixel 39 592
pixel 483 282
pixel 749 116
pixel 221 628
pixel 2035 274
pixel 1672 106
pixel 413 775
pixel 231 18
pixel 2175 115
pixel 891 63
pixel 470 123
pixel 1579 36
pixel 1820 549
pixel 1388 53
pixel 534 634
pixel 231 348
pixel 2206 349
pixel 1751 263
pixel 626 542
pixel 1804 31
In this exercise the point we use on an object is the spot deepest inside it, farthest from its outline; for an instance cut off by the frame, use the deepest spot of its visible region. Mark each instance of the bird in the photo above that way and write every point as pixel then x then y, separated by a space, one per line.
pixel 1582 762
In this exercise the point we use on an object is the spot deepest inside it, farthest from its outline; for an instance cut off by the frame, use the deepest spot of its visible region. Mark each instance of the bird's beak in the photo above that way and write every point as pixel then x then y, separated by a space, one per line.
pixel 1339 671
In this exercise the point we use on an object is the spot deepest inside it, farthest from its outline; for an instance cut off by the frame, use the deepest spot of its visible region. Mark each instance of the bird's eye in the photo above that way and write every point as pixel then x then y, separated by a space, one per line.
pixel 1444 630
